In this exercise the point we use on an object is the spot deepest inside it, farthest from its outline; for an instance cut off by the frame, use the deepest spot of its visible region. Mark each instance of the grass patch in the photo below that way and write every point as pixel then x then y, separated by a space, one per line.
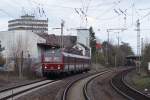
pixel 142 82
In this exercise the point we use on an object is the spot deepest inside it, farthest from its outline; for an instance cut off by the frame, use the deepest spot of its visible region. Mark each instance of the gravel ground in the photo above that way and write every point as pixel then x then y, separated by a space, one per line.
pixel 46 93
pixel 76 91
pixel 10 80
pixel 100 89
pixel 51 92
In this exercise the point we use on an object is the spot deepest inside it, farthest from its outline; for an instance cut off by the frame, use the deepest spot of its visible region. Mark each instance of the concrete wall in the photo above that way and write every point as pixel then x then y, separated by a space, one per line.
pixel 83 36
pixel 17 41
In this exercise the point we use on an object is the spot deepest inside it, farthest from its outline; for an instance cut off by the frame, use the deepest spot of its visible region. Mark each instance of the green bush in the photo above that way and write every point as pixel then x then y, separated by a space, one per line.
pixel 142 82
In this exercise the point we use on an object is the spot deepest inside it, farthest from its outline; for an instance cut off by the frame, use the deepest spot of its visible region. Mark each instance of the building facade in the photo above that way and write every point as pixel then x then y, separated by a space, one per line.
pixel 15 42
pixel 18 42
pixel 83 36
pixel 28 22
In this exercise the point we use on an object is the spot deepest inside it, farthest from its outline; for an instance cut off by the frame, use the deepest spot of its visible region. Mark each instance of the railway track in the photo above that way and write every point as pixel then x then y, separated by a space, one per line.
pixel 17 91
pixel 86 79
pixel 119 84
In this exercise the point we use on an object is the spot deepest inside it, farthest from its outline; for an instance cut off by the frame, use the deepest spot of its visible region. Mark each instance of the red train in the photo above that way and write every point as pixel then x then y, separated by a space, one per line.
pixel 57 61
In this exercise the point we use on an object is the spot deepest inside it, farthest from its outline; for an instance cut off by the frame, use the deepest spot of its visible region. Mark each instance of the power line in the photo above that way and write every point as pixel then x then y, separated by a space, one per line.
pixel 88 5
pixel 83 4
pixel 112 7
pixel 145 16
pixel 101 4
pixel 144 9
pixel 6 13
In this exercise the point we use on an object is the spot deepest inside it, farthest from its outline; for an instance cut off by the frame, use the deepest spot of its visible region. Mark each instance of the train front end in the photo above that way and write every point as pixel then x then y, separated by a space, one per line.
pixel 52 62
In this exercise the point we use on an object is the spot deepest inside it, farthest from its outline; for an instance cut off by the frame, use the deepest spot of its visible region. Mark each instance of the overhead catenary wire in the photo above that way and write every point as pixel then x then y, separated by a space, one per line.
pixel 6 13
pixel 144 9
pixel 85 3
pixel 144 16
pixel 111 8
pixel 118 13
pixel 67 7
pixel 141 18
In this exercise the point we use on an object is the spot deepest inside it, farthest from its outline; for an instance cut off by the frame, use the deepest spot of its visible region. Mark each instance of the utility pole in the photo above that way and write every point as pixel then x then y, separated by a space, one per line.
pixel 62 28
pixel 125 20
pixel 117 55
pixel 118 38
pixel 61 36
pixel 107 51
pixel 142 46
pixel 142 50
pixel 138 44
pixel 21 65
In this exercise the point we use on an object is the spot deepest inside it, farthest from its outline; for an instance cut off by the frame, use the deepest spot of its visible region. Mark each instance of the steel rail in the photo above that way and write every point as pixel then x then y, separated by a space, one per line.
pixel 10 92
pixel 86 85
pixel 69 85
pixel 13 87
pixel 119 84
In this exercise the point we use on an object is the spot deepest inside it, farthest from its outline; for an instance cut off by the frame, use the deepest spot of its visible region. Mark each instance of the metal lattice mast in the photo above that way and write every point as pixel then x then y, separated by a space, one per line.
pixel 138 38
pixel 138 43
pixel 62 38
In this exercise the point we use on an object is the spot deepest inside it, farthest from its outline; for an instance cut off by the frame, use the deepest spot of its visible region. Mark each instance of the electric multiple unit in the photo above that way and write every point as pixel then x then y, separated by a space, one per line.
pixel 57 61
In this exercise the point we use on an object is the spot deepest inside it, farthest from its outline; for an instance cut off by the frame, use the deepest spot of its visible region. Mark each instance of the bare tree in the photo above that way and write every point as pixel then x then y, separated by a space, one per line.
pixel 19 52
pixel 116 55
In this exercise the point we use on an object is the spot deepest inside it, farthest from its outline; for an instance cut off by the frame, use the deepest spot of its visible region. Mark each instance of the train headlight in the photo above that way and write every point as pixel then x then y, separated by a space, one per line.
pixel 58 66
pixel 45 67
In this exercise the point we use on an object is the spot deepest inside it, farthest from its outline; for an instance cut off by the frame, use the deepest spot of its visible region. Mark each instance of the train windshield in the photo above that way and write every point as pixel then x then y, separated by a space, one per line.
pixel 53 55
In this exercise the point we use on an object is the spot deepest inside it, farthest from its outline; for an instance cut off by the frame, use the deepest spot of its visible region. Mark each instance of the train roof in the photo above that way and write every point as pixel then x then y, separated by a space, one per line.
pixel 54 40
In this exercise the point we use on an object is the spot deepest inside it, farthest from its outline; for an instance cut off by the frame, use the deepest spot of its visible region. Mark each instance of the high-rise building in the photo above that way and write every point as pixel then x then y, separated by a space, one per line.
pixel 28 22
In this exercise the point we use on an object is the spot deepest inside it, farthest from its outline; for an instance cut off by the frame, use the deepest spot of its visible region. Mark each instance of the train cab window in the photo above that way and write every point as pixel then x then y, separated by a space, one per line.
pixel 57 52
pixel 52 55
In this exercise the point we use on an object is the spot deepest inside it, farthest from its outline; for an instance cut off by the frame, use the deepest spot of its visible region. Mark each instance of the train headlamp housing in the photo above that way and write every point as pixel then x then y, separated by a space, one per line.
pixel 59 67
pixel 45 67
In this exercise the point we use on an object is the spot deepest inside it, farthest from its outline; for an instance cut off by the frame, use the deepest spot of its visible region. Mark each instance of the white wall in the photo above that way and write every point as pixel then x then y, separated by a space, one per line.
pixel 83 36
pixel 17 41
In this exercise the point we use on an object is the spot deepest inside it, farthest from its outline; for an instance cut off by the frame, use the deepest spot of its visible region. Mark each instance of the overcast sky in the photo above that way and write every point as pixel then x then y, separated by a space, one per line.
pixel 101 14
